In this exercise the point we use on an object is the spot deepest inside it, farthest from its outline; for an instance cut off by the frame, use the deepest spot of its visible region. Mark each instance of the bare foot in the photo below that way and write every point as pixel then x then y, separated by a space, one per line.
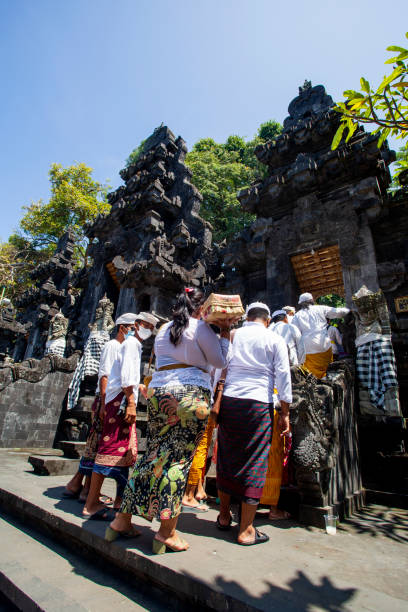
pixel 201 494
pixel 247 536
pixel 174 542
pixel 275 514
pixel 122 522
pixel 90 510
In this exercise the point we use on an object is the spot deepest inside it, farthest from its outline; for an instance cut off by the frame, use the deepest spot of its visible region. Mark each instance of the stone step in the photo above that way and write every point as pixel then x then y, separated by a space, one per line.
pixel 72 449
pixel 53 466
pixel 50 578
pixel 297 570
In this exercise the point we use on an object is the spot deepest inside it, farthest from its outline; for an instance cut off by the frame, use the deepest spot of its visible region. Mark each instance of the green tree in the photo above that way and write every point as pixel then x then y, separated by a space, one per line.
pixel 76 199
pixel 17 259
pixel 220 170
pixel 385 107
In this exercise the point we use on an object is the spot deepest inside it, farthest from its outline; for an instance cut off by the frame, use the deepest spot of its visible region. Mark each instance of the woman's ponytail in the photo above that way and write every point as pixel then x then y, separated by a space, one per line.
pixel 187 302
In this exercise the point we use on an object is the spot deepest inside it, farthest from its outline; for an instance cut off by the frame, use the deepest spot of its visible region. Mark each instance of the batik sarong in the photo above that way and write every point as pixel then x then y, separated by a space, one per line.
pixel 92 442
pixel 244 440
pixel 177 418
pixel 118 442
pixel 377 369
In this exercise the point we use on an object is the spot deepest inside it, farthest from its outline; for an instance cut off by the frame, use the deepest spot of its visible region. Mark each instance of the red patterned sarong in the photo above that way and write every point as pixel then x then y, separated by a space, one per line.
pixel 118 441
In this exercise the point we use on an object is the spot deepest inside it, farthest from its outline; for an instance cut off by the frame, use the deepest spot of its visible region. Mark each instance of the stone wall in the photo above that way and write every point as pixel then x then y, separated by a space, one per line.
pixel 30 412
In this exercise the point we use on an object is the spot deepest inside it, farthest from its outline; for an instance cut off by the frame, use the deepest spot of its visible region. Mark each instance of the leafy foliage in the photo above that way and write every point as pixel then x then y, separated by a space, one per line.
pixel 76 199
pixel 331 299
pixel 17 259
pixel 221 170
pixel 386 107
pixel 135 154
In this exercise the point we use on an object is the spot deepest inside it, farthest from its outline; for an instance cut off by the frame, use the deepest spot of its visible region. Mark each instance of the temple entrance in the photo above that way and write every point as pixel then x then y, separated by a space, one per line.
pixel 319 272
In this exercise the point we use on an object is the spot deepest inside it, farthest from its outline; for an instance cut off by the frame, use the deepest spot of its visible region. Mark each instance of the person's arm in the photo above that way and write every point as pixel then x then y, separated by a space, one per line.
pixel 103 383
pixel 335 313
pixel 300 345
pixel 130 376
pixel 216 350
pixel 283 384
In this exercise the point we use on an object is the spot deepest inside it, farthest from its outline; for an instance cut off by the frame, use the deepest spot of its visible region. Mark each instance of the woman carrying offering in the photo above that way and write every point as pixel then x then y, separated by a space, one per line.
pixel 179 398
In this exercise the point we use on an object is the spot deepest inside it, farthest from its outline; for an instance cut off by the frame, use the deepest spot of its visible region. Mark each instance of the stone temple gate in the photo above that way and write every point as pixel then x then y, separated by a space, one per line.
pixel 314 210
pixel 324 223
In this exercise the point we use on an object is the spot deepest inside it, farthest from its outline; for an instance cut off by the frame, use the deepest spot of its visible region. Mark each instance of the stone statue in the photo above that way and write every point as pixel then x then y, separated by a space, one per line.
pixel 103 322
pixel 56 342
pixel 376 367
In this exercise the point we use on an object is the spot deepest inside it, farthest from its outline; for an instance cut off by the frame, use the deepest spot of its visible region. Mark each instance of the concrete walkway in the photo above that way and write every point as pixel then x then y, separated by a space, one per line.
pixel 363 567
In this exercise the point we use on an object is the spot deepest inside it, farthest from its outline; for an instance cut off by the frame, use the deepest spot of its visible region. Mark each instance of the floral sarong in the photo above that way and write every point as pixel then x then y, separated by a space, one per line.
pixel 118 442
pixel 177 418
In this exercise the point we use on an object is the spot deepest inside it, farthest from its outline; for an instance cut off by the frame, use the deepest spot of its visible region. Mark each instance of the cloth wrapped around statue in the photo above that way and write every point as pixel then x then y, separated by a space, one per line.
pixel 376 366
pixel 219 307
pixel 88 365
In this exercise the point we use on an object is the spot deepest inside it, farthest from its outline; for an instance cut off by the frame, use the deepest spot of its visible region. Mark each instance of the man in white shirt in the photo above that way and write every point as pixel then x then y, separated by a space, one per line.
pixel 117 449
pixel 124 324
pixel 292 336
pixel 290 311
pixel 258 364
pixel 311 321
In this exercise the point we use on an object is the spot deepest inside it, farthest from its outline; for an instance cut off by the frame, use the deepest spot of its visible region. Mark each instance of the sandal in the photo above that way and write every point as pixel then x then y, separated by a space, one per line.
pixel 223 527
pixel 199 508
pixel 104 514
pixel 260 538
pixel 159 547
pixel 112 534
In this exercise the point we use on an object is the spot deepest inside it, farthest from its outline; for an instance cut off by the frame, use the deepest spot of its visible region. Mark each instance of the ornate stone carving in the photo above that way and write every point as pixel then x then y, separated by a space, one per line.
pixel 103 322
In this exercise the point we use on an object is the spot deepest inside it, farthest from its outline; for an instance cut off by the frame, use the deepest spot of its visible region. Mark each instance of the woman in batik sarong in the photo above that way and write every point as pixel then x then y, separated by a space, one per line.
pixel 311 320
pixel 178 408
pixel 259 363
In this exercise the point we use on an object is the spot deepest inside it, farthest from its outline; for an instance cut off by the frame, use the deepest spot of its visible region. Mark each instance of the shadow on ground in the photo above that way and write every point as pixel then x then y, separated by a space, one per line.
pixel 375 521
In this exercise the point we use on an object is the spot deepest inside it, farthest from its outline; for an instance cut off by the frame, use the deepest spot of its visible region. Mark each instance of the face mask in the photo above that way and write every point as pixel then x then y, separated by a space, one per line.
pixel 144 333
pixel 130 333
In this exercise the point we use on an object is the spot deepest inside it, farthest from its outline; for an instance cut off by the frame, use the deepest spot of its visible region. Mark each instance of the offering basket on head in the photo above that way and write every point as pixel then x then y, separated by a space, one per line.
pixel 218 308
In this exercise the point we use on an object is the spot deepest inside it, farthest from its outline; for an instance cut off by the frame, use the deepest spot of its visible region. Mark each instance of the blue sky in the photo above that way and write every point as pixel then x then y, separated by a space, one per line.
pixel 87 80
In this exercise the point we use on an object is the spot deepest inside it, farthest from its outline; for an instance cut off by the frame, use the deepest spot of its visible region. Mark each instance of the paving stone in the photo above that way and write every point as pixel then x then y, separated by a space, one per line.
pixel 363 567
pixel 52 466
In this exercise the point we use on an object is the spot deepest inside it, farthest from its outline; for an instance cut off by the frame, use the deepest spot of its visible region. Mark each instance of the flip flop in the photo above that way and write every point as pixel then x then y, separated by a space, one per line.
pixel 194 509
pixel 259 539
pixel 70 494
pixel 111 534
pixel 104 514
pixel 223 527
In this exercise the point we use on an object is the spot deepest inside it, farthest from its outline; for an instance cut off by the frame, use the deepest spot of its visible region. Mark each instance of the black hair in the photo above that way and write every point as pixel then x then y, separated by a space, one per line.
pixel 187 302
pixel 257 313
pixel 279 317
pixel 306 305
